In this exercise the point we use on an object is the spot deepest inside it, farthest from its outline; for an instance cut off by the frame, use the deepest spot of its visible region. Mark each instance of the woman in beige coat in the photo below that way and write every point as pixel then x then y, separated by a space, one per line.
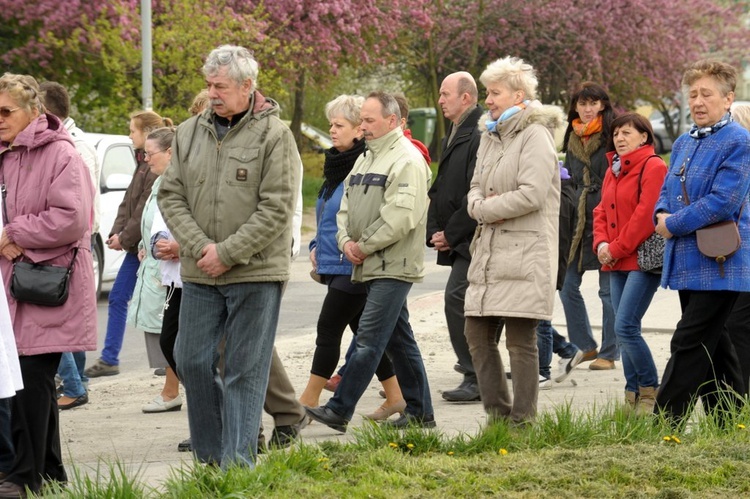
pixel 515 198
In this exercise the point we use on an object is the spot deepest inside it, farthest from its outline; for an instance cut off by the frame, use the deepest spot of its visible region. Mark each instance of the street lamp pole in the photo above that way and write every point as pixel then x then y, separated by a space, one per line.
pixel 146 58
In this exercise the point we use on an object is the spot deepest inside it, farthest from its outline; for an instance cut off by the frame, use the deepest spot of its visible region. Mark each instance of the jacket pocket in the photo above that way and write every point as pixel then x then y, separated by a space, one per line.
pixel 514 256
pixel 243 167
pixel 406 197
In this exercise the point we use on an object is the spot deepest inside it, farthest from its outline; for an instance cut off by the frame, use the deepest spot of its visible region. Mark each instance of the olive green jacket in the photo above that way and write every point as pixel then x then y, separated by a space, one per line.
pixel 239 193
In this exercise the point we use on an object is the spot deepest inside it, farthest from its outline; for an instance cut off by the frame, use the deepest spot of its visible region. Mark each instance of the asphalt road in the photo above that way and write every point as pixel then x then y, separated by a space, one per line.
pixel 299 308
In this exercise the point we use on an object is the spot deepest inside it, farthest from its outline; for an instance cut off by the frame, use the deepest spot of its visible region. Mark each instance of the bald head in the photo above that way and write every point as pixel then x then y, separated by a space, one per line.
pixel 458 93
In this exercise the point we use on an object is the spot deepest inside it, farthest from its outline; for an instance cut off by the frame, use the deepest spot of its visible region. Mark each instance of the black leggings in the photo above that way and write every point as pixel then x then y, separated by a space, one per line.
pixel 339 310
pixel 170 326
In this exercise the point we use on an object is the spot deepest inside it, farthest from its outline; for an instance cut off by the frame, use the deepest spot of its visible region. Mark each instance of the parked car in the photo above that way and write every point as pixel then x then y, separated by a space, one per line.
pixel 117 161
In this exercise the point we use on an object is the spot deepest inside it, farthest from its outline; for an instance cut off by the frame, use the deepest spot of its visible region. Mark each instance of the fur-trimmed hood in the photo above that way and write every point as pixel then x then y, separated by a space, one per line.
pixel 551 117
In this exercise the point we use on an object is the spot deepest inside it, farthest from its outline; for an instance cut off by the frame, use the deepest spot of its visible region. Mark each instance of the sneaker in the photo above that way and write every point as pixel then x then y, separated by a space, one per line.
pixel 569 366
pixel 101 368
pixel 544 383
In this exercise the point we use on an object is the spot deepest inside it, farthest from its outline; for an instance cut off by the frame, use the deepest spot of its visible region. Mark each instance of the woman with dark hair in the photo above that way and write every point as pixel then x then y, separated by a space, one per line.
pixel 708 183
pixel 587 139
pixel 622 222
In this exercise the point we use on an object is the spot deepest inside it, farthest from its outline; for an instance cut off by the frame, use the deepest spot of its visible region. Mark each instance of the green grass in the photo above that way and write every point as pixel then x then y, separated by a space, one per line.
pixel 600 452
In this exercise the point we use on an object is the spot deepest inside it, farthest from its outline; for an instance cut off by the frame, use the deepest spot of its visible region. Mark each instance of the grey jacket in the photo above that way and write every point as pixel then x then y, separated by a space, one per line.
pixel 239 193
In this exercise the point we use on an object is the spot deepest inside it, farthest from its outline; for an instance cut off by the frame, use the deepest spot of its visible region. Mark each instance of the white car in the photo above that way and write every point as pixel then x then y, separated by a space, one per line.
pixel 117 161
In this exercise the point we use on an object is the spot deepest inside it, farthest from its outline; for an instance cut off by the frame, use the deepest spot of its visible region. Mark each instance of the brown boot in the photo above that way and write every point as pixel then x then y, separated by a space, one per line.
pixel 630 401
pixel 646 400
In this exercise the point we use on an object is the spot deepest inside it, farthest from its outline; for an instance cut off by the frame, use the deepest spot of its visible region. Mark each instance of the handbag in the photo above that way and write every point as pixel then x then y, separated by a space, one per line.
pixel 45 285
pixel 317 277
pixel 717 241
pixel 650 253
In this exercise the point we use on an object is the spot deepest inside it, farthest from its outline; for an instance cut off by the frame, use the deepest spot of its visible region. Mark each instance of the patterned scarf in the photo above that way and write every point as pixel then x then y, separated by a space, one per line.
pixel 586 130
pixel 337 166
pixel 699 133
pixel 511 111
pixel 616 166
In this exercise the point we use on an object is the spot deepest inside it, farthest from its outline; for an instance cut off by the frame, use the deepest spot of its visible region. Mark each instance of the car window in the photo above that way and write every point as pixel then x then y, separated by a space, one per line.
pixel 117 159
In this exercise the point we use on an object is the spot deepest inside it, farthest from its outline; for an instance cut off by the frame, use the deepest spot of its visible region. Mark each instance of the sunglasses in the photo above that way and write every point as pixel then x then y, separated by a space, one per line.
pixel 5 112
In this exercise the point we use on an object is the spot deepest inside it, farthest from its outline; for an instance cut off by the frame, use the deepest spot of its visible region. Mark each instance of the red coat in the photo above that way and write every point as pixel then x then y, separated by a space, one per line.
pixel 622 219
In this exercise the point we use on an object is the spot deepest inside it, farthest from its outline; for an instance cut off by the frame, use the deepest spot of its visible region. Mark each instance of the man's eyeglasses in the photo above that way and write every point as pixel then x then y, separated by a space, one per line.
pixel 152 154
pixel 5 112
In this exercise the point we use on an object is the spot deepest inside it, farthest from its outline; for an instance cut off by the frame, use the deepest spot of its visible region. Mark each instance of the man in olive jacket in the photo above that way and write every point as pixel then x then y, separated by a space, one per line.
pixel 449 227
pixel 381 229
pixel 228 198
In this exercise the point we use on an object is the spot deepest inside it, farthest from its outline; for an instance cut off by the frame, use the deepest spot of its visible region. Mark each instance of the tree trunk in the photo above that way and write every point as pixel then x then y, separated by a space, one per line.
pixel 299 108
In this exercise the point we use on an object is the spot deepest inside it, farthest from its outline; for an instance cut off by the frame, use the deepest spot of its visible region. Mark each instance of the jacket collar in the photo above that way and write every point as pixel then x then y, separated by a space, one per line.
pixel 468 125
pixel 632 159
pixel 385 142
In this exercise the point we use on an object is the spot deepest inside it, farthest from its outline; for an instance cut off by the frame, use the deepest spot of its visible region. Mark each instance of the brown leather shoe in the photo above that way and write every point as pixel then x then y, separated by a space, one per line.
pixel 602 365
pixel 590 355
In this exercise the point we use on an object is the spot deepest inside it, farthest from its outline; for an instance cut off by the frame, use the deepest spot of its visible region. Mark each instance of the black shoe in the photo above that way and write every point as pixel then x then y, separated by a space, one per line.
pixel 408 420
pixel 283 436
pixel 329 418
pixel 185 446
pixel 468 391
pixel 77 402
pixel 11 490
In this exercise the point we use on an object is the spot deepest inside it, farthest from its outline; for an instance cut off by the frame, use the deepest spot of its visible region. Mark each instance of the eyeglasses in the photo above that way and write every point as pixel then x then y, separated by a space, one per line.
pixel 5 112
pixel 152 154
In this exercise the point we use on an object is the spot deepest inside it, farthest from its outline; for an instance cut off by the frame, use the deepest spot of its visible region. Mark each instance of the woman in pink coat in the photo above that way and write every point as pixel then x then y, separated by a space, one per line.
pixel 47 200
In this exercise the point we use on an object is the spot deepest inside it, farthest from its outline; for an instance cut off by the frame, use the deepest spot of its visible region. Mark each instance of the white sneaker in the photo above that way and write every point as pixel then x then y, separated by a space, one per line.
pixel 572 363
pixel 544 383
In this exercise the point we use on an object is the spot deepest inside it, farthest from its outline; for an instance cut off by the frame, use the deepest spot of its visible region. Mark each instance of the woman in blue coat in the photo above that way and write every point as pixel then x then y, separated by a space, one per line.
pixel 708 182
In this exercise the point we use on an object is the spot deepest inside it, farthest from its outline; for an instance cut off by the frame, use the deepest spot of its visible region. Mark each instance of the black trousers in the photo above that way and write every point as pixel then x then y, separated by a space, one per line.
pixel 340 309
pixel 170 326
pixel 703 359
pixel 35 425
pixel 738 326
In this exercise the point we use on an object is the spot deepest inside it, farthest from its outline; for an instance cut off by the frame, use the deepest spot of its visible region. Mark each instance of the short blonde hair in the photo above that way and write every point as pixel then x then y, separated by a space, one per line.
pixel 741 114
pixel 514 73
pixel 346 106
pixel 24 90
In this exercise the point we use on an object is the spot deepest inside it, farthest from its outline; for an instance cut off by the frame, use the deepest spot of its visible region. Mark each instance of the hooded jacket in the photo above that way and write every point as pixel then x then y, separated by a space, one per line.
pixel 515 198
pixel 49 208
pixel 384 209
pixel 238 192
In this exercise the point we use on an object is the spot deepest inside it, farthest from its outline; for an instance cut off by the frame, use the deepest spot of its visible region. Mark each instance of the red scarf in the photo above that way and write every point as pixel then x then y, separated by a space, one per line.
pixel 586 130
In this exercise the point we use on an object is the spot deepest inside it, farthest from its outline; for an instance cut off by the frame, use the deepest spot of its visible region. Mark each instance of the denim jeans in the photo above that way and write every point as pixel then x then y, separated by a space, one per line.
pixel 631 295
pixel 122 292
pixel 384 326
pixel 71 372
pixel 544 344
pixel 6 437
pixel 577 318
pixel 224 414
pixel 561 346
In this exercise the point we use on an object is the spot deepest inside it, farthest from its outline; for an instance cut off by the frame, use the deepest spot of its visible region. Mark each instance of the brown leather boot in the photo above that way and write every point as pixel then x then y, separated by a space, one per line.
pixel 646 400
pixel 630 401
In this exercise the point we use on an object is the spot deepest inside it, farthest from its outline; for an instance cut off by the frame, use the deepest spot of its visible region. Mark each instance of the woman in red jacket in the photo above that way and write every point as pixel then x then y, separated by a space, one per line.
pixel 622 222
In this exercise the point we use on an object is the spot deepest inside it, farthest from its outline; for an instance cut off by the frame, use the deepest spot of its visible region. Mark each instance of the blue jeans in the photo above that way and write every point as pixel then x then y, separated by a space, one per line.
pixel 225 414
pixel 549 341
pixel 577 318
pixel 631 295
pixel 122 292
pixel 71 371
pixel 6 437
pixel 384 327
pixel 561 346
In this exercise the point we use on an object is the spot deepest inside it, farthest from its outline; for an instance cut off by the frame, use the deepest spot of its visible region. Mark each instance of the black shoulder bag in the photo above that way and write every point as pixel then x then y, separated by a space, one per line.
pixel 45 285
